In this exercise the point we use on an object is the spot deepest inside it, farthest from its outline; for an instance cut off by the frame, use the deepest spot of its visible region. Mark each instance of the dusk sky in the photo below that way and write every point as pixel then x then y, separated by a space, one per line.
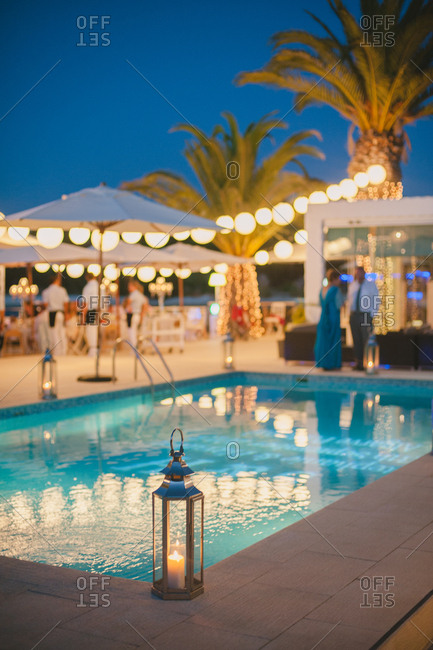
pixel 93 118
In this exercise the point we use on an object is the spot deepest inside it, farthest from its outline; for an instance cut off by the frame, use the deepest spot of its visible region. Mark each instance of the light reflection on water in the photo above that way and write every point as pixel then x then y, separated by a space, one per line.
pixel 78 490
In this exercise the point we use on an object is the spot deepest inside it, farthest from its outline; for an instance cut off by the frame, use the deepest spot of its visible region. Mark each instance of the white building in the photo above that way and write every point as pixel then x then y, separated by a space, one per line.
pixel 393 239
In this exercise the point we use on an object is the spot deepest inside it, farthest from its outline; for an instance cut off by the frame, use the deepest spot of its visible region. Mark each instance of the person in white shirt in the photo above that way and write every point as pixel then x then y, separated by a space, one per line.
pixel 89 311
pixel 136 306
pixel 363 300
pixel 57 301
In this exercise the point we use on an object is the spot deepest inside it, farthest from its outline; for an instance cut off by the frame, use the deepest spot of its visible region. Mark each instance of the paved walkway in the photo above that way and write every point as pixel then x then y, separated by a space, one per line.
pixel 19 374
pixel 337 579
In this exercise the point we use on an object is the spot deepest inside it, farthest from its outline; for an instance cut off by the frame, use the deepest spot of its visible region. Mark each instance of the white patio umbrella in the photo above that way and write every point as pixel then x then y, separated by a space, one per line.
pixel 65 253
pixel 107 209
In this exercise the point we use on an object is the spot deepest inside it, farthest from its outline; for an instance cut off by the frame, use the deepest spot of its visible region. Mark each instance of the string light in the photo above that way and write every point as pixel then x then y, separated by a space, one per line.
pixel 301 204
pixel 181 236
pixel 202 236
pixel 79 236
pixel 226 222
pixel 283 214
pixel 261 258
pixel 263 216
pixel 318 197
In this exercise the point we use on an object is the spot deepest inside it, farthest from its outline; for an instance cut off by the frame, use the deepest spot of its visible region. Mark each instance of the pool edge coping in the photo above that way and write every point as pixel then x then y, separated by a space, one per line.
pixel 302 380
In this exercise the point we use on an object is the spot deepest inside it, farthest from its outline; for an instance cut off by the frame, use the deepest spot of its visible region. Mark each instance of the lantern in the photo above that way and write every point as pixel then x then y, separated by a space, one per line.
pixel 228 343
pixel 48 377
pixel 177 514
pixel 371 355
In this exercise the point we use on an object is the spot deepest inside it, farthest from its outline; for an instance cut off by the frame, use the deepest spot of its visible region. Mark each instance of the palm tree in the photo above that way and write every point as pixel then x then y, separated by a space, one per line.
pixel 231 179
pixel 378 75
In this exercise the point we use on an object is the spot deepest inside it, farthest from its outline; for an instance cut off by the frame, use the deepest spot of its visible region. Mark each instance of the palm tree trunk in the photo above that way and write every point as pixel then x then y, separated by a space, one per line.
pixel 381 149
pixel 241 292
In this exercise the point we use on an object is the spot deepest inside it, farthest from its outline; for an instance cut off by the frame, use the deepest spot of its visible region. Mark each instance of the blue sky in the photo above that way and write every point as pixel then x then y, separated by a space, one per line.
pixel 93 118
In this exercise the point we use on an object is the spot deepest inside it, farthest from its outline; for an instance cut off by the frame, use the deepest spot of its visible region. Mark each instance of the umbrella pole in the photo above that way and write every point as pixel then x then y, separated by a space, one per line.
pixel 98 344
pixel 180 291
pixel 118 307
pixel 31 301
pixel 97 376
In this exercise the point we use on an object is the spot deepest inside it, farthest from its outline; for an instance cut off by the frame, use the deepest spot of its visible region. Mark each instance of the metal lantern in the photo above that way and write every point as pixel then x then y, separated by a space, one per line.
pixel 48 377
pixel 371 355
pixel 177 515
pixel 370 405
pixel 228 344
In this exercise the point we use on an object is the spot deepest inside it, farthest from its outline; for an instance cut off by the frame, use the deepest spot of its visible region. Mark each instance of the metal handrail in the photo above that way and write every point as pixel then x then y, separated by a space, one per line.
pixel 159 353
pixel 137 357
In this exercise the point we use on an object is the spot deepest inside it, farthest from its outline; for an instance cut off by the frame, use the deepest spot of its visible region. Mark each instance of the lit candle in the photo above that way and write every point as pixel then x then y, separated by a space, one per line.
pixel 176 571
pixel 46 389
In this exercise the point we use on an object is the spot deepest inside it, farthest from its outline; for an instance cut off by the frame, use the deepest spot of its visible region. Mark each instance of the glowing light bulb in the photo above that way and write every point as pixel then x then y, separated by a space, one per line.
pixel 301 204
pixel 18 233
pixel 226 222
pixel 376 174
pixel 245 223
pixel 156 239
pixel 79 236
pixel 146 273
pixel 107 242
pixel 333 192
pixel 49 237
pixel 181 236
pixel 131 237
pixel 301 237
pixel 318 198
pixel 261 258
pixel 263 216
pixel 283 249
pixel 283 214
pixel 202 236
pixel 75 270
pixel 361 179
pixel 349 188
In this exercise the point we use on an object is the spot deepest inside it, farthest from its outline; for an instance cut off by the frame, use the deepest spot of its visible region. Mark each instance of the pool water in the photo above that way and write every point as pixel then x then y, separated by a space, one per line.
pixel 76 484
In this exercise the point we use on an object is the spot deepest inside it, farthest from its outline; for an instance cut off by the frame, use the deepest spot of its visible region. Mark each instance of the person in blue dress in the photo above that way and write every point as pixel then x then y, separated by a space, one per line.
pixel 327 349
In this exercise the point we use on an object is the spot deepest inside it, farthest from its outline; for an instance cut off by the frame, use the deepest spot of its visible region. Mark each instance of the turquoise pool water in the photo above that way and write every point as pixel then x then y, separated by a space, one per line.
pixel 76 483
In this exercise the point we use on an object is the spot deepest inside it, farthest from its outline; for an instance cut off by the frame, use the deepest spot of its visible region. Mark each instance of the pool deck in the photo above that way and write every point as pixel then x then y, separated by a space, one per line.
pixel 340 578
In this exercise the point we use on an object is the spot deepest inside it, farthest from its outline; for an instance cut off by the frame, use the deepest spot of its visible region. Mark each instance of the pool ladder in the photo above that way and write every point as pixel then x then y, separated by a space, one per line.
pixel 139 358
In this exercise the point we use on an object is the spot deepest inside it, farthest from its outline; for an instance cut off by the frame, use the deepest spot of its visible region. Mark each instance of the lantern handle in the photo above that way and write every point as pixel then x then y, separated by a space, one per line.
pixel 171 441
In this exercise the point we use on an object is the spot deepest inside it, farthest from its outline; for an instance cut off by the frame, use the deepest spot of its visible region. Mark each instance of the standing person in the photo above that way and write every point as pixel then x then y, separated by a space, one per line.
pixel 57 301
pixel 363 300
pixel 327 349
pixel 136 305
pixel 89 312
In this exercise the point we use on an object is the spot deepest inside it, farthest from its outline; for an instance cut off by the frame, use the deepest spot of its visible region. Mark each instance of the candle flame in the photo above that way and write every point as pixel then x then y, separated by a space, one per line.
pixel 46 384
pixel 176 556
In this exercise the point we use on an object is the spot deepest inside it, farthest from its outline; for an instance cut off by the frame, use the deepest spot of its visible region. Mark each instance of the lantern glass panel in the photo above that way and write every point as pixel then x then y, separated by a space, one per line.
pixel 157 538
pixel 177 549
pixel 197 506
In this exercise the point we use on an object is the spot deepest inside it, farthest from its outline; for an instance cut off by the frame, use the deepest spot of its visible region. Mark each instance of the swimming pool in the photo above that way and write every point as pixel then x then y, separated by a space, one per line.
pixel 76 483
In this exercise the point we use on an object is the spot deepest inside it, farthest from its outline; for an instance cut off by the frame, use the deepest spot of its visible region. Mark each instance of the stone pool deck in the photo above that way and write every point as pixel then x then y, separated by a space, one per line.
pixel 340 578
pixel 18 374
